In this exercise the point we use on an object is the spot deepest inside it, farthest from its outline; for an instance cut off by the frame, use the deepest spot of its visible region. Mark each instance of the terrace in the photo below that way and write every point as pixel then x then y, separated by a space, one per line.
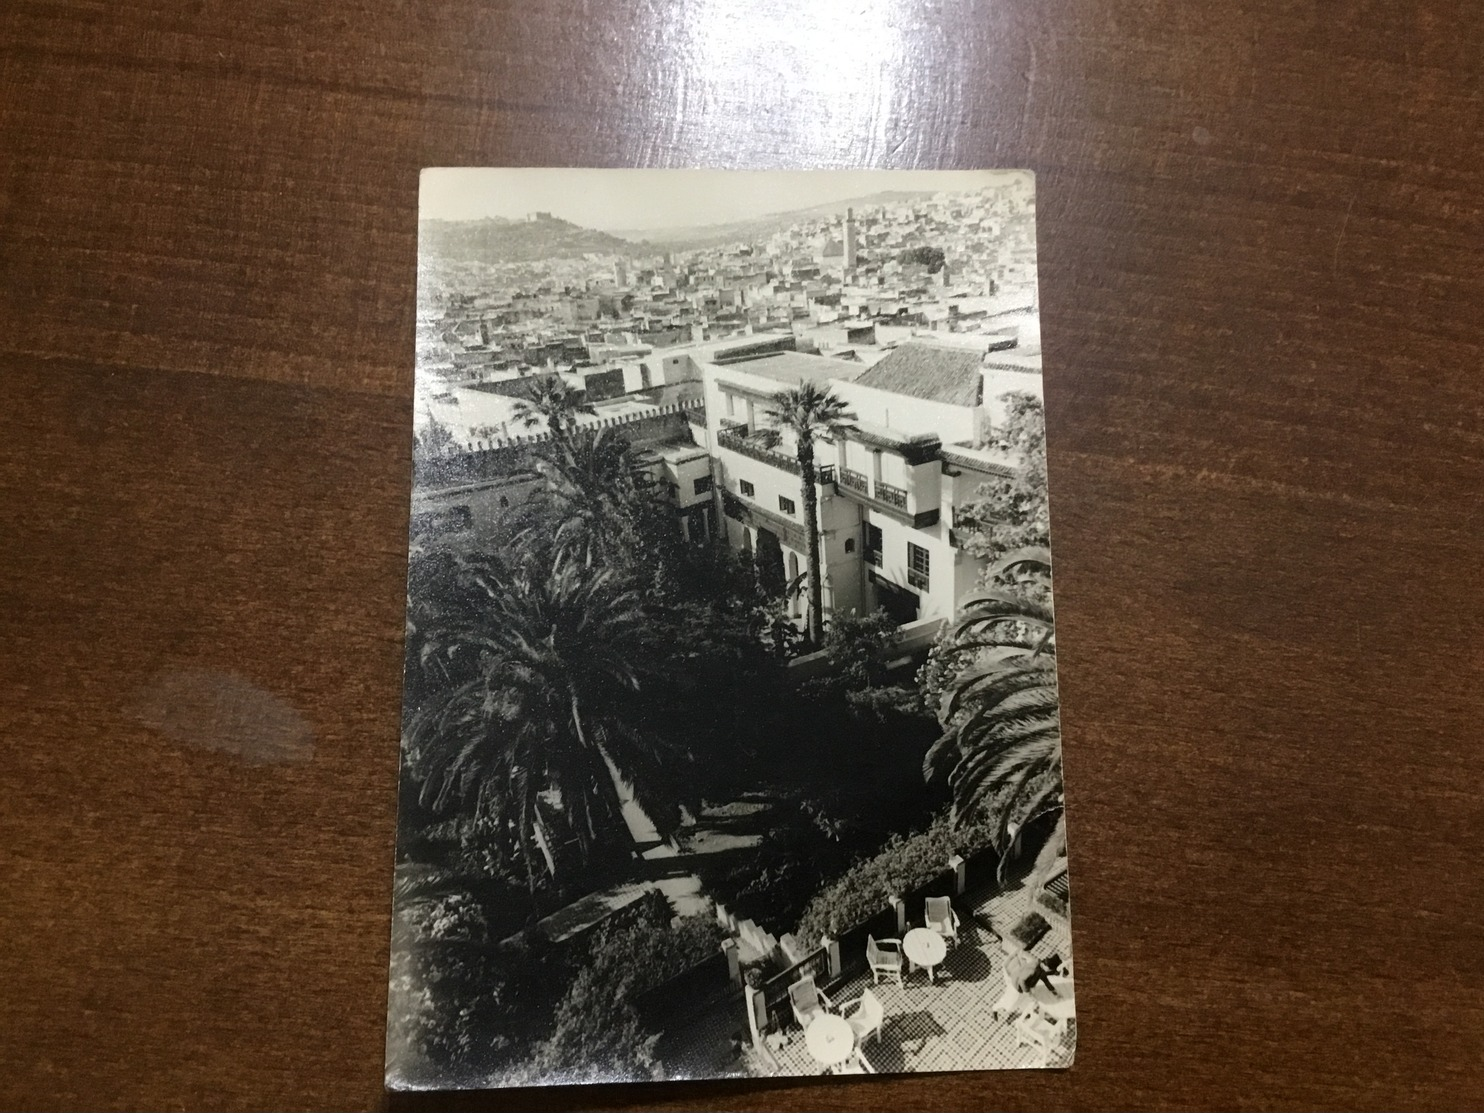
pixel 965 1018
pixel 757 448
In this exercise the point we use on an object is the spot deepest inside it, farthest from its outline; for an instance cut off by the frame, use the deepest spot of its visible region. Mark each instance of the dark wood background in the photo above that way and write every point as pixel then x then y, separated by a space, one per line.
pixel 1262 263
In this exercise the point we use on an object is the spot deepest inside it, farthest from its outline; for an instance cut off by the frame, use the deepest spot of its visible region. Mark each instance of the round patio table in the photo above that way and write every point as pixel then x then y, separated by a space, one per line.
pixel 924 947
pixel 830 1039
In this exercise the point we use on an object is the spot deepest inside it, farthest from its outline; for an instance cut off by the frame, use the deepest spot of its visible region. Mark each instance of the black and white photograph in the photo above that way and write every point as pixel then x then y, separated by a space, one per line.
pixel 730 741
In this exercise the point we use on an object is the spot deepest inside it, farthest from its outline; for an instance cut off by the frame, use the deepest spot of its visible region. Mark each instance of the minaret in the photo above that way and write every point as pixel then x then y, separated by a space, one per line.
pixel 849 239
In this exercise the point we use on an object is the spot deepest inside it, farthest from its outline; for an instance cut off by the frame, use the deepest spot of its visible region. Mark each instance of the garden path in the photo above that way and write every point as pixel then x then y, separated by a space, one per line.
pixel 668 866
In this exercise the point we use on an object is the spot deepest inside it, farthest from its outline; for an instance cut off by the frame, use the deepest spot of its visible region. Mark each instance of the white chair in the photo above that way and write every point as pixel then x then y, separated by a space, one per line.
pixel 856 1064
pixel 942 918
pixel 865 1015
pixel 1034 1030
pixel 808 1001
pixel 885 958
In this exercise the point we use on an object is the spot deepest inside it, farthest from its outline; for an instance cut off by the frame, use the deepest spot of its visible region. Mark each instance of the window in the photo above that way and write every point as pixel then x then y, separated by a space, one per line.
pixel 746 488
pixel 702 484
pixel 785 505
pixel 873 544
pixel 917 566
pixel 850 544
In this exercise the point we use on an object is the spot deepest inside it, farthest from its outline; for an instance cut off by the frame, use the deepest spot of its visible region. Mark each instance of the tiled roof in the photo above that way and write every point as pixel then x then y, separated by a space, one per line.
pixel 929 371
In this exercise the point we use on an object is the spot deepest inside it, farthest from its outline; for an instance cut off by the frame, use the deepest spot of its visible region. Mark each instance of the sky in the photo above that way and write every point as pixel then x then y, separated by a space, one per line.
pixel 624 200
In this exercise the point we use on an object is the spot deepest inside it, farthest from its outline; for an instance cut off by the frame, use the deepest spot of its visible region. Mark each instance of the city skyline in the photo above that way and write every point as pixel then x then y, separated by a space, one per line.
pixel 618 201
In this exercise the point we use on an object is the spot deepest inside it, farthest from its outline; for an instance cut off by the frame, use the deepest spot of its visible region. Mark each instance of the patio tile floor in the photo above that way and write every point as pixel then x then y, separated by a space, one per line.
pixel 944 1026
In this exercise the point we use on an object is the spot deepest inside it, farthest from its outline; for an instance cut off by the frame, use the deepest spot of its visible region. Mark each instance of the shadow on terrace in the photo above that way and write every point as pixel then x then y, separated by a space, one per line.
pixel 974 1013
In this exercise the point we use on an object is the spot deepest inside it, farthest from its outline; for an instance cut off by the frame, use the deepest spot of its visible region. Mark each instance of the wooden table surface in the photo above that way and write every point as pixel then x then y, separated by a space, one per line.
pixel 1262 264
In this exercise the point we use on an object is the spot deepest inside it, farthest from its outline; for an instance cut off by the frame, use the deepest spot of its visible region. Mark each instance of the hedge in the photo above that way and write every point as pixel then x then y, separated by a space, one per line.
pixel 903 864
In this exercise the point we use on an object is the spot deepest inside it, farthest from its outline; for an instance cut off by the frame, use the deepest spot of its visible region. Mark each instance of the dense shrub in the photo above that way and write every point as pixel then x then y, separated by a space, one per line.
pixel 903 864
pixel 597 1033
pixel 598 1036
pixel 460 1012
pixel 468 1012
pixel 643 949
pixel 772 884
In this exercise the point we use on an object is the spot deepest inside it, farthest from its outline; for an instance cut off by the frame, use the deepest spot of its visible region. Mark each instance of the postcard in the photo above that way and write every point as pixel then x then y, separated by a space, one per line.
pixel 731 743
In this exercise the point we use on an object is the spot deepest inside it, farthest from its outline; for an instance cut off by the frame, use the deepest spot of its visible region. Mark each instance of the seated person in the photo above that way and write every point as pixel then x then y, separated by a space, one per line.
pixel 1025 971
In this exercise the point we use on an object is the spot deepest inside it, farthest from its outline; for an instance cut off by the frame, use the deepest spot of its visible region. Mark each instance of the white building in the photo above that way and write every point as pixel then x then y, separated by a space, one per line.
pixel 889 483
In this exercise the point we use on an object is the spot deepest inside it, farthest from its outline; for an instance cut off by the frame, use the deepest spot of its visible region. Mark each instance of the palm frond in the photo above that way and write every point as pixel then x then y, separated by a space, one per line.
pixel 1032 556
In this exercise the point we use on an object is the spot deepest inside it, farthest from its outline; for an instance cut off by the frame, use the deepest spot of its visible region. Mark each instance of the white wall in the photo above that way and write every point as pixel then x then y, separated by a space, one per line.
pixel 842 571
pixel 908 415
pixel 684 476
pixel 937 600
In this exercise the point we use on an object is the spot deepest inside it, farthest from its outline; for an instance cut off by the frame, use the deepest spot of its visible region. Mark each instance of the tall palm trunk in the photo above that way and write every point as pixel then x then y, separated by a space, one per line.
pixel 811 528
pixel 630 812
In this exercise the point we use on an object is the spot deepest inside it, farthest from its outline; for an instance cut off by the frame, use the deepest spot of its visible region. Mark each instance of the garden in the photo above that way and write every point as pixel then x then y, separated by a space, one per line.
pixel 601 666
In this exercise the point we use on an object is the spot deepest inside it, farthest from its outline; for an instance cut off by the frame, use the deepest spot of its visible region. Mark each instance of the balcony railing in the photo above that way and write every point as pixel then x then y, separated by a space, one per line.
pixel 855 481
pixel 892 496
pixel 824 474
pixel 757 452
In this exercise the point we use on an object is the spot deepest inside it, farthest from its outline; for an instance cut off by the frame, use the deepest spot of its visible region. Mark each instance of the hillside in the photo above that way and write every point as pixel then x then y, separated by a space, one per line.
pixel 761 227
pixel 496 240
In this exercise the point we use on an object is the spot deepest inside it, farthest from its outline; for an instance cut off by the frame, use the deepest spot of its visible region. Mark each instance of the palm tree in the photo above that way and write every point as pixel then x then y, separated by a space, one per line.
pixel 595 504
pixel 547 739
pixel 1001 744
pixel 808 411
pixel 553 404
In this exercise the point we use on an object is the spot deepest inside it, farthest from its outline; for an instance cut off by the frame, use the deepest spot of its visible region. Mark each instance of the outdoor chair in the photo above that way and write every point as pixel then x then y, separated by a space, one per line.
pixel 885 958
pixel 856 1064
pixel 808 1001
pixel 942 918
pixel 865 1015
pixel 1033 1030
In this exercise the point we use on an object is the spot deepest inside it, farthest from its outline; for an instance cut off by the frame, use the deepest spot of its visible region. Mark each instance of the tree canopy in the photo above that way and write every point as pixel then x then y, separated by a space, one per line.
pixel 926 256
pixel 1012 513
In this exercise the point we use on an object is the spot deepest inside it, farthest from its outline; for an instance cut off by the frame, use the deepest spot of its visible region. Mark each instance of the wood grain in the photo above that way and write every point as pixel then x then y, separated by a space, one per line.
pixel 1262 261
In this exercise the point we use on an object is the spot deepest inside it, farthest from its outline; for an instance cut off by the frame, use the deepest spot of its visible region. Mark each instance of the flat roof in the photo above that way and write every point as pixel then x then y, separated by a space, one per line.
pixel 677 453
pixel 793 368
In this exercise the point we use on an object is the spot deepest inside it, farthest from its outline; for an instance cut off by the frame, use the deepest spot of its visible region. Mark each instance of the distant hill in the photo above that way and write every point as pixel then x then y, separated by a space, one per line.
pixel 497 240
pixel 761 227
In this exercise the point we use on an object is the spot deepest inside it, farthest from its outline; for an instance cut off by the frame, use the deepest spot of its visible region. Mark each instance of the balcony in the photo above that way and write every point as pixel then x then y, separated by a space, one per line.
pixel 892 496
pixel 730 440
pixel 889 500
